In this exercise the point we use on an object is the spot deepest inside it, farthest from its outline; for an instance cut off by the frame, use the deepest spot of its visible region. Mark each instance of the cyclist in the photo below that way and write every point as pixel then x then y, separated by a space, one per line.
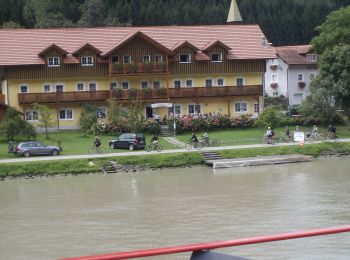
pixel 205 139
pixel 332 131
pixel 287 134
pixel 194 138
pixel 269 135
pixel 308 134
pixel 314 130
pixel 154 139
pixel 97 143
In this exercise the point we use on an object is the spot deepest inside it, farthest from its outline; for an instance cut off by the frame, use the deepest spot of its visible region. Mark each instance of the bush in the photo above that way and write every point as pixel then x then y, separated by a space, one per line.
pixel 272 117
pixel 151 126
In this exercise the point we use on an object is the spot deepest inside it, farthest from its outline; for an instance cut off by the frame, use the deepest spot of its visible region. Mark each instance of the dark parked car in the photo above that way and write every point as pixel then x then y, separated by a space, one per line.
pixel 36 148
pixel 130 141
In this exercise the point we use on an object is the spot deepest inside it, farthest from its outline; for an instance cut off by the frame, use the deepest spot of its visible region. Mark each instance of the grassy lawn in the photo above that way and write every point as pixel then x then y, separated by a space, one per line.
pixel 74 142
pixel 252 136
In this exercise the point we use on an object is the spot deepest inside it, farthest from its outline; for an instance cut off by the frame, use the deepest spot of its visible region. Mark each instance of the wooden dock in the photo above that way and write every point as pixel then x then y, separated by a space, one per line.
pixel 258 161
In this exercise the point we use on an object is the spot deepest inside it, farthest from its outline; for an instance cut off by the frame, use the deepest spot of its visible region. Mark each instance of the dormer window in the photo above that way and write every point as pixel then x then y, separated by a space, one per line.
pixel 146 58
pixel 53 61
pixel 185 58
pixel 115 59
pixel 87 61
pixel 158 58
pixel 216 57
pixel 311 57
pixel 126 59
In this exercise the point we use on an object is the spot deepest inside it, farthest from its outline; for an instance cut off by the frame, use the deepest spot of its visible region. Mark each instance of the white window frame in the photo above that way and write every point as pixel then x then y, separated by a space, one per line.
pixel 53 61
pixel 105 112
pixel 177 80
pixel 216 53
pixel 116 57
pixel 311 57
pixel 23 85
pixel 185 54
pixel 160 84
pixel 128 57
pixel 274 78
pixel 116 85
pixel 122 84
pixel 59 84
pixel 142 82
pixel 31 111
pixel 187 85
pixel 89 85
pixel 158 58
pixel 195 111
pixel 205 82
pixel 87 61
pixel 78 83
pixel 243 81
pixel 240 107
pixel 256 108
pixel 302 77
pixel 47 85
pixel 223 82
pixel 146 58
pixel 66 109
pixel 174 108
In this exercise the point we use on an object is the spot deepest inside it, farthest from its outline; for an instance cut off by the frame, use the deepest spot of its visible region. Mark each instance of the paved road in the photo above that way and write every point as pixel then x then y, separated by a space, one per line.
pixel 135 153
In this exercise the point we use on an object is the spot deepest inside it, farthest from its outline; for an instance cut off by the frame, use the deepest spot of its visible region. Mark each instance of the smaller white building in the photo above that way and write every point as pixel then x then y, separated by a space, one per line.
pixel 291 73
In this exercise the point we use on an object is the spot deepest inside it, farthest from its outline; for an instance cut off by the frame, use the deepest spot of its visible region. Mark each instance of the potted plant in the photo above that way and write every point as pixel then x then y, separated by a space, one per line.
pixel 132 67
pixel 148 67
pixel 133 93
pixel 117 93
pixel 273 67
pixel 274 85
pixel 301 84
pixel 161 92
pixel 117 67
pixel 147 93
pixel 161 66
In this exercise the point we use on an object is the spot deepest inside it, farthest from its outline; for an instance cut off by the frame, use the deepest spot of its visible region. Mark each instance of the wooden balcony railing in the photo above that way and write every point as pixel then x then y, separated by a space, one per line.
pixel 141 94
pixel 54 97
pixel 139 68
pixel 2 99
pixel 215 91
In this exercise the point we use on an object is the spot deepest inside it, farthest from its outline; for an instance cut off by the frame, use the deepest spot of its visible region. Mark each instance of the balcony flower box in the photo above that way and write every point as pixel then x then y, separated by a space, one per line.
pixel 274 85
pixel 117 93
pixel 148 67
pixel 117 67
pixel 147 93
pixel 161 92
pixel 133 93
pixel 132 67
pixel 301 84
pixel 273 67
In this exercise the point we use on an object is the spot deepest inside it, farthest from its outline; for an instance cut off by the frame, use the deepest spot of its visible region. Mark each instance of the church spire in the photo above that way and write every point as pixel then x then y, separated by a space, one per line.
pixel 234 16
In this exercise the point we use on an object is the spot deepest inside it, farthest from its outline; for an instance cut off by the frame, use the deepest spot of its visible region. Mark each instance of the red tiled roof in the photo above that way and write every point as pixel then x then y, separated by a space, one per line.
pixel 294 54
pixel 21 46
pixel 211 44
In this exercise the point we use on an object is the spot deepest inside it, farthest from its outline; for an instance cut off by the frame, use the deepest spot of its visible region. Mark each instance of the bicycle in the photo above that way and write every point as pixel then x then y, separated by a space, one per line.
pixel 153 147
pixel 96 150
pixel 194 145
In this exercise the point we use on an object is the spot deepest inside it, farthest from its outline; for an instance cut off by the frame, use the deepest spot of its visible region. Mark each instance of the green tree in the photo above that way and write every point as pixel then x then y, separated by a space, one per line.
pixel 12 124
pixel 93 13
pixel 333 45
pixel 334 32
pixel 87 117
pixel 135 115
pixel 45 120
pixel 272 117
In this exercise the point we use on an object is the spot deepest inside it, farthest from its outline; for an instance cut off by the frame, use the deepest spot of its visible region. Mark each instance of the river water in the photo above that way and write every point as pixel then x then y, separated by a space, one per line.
pixel 55 217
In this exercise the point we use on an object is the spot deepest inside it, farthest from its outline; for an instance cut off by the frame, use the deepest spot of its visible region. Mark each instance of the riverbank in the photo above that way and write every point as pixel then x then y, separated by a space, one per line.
pixel 156 161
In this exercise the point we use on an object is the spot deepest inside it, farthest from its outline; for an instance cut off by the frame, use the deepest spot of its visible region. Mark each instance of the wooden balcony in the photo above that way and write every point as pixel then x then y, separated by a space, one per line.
pixel 2 99
pixel 226 91
pixel 140 94
pixel 63 97
pixel 139 68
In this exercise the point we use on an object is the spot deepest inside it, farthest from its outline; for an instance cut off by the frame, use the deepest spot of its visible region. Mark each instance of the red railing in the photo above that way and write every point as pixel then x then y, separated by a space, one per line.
pixel 214 245
pixel 76 96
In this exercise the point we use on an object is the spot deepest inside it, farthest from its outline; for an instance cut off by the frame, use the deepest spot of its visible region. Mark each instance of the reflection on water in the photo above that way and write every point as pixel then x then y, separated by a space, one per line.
pixel 49 218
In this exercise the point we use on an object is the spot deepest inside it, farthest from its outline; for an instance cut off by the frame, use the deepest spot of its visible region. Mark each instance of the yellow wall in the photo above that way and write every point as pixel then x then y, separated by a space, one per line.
pixel 213 105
